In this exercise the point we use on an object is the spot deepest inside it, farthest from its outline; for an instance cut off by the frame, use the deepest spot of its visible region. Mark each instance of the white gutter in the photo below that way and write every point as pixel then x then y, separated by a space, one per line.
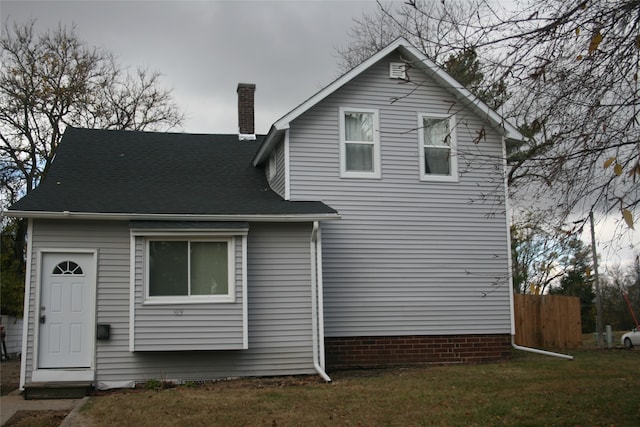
pixel 510 267
pixel 316 289
pixel 171 217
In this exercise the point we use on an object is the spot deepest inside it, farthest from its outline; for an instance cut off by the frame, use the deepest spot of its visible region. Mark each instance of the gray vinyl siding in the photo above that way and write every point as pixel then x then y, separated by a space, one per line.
pixel 279 305
pixel 409 256
pixel 277 183
pixel 180 327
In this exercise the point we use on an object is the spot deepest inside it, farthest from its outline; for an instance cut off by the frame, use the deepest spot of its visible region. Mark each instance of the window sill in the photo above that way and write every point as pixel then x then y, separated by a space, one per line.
pixel 438 178
pixel 360 175
pixel 221 299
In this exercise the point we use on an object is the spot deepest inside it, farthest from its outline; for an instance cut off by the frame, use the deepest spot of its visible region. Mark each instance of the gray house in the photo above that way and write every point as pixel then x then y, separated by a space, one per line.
pixel 367 228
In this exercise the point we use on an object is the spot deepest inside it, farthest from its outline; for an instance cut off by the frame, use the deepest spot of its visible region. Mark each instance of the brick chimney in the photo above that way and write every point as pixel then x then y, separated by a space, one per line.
pixel 246 124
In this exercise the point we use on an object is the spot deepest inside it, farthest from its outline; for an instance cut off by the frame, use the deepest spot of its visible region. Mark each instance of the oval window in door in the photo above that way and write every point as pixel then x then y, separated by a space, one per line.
pixel 67 268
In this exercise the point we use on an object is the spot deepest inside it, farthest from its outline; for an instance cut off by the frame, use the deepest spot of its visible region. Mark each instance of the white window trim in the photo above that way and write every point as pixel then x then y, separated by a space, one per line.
pixel 230 297
pixel 453 177
pixel 376 173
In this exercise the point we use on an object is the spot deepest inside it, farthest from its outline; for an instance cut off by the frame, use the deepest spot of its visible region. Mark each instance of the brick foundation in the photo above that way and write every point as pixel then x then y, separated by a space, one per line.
pixel 377 352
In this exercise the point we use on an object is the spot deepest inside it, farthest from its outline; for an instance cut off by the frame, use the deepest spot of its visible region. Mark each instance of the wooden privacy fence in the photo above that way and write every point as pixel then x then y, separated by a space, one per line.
pixel 547 321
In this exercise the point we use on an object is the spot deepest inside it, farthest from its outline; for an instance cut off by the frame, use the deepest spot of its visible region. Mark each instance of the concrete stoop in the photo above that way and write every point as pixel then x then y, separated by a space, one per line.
pixel 57 390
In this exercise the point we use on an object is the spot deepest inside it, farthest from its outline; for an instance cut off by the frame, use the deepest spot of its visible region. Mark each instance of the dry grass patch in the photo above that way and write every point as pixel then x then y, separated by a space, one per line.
pixel 9 376
pixel 36 419
pixel 597 388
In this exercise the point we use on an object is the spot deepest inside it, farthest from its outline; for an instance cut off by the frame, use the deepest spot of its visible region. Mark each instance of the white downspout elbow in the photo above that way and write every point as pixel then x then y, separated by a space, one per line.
pixel 315 303
pixel 510 267
pixel 535 350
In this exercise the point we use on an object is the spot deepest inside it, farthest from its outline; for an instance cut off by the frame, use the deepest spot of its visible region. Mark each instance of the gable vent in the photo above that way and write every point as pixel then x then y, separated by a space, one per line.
pixel 398 70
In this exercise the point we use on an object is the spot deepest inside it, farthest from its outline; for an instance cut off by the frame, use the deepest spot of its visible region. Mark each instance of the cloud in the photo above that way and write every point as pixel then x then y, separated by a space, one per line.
pixel 204 49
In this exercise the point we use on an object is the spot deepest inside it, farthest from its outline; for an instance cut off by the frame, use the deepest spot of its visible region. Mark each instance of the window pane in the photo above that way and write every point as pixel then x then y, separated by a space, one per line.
pixel 359 157
pixel 436 132
pixel 168 268
pixel 209 268
pixel 436 161
pixel 358 127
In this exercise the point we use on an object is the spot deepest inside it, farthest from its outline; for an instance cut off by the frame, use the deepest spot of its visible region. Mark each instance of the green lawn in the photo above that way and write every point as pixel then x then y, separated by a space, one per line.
pixel 596 388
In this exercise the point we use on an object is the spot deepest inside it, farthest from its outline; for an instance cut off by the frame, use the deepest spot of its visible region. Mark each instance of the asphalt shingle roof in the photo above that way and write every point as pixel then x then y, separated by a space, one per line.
pixel 107 171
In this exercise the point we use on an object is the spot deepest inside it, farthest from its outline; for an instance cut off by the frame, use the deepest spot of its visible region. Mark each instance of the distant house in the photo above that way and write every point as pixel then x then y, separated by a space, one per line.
pixel 367 228
pixel 13 335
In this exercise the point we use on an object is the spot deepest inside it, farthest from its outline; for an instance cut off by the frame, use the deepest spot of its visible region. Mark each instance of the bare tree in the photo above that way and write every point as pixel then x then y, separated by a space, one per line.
pixel 52 80
pixel 434 27
pixel 572 70
pixel 544 257
pixel 49 81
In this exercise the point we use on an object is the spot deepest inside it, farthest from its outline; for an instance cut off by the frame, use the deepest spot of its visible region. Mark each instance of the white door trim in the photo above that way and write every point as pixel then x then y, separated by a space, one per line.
pixel 39 374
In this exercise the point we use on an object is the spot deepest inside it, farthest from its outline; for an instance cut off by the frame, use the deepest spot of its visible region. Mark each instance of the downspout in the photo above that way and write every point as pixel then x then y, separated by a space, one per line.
pixel 319 285
pixel 315 312
pixel 510 267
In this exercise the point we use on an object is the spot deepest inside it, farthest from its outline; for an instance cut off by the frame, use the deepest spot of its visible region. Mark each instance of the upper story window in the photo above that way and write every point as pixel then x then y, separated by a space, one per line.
pixel 438 160
pixel 359 143
pixel 181 270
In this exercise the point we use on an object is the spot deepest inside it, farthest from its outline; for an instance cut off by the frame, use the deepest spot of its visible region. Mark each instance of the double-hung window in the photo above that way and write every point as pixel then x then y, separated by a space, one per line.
pixel 437 139
pixel 359 143
pixel 190 270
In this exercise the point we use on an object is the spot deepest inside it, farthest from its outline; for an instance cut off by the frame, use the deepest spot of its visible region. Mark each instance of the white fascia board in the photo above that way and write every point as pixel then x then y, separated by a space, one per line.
pixel 171 217
pixel 208 232
pixel 428 66
pixel 268 144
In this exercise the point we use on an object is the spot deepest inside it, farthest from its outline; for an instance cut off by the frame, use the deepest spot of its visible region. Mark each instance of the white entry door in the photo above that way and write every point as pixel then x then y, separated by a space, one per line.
pixel 66 318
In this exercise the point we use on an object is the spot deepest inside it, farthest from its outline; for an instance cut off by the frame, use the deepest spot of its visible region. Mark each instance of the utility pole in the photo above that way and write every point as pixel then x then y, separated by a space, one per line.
pixel 597 280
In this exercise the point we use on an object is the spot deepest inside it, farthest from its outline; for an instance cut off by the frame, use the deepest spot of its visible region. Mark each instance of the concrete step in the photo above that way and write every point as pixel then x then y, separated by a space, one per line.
pixel 57 390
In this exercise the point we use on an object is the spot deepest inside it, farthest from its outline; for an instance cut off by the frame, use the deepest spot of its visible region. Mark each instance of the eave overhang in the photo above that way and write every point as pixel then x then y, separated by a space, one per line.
pixel 107 216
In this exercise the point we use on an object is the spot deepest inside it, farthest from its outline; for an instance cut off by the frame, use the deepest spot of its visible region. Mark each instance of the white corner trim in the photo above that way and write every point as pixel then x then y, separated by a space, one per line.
pixel 25 309
pixel 508 226
pixel 132 289
pixel 287 167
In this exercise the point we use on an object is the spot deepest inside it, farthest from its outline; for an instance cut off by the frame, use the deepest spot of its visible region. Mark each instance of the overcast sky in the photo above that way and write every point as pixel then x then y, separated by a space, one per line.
pixel 205 48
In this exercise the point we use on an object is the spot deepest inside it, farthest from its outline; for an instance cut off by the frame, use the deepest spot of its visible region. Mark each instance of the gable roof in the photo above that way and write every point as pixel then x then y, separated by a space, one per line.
pixel 151 175
pixel 418 60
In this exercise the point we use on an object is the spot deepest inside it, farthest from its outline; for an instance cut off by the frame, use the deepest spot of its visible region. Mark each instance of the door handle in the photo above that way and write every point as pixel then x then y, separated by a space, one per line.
pixel 43 318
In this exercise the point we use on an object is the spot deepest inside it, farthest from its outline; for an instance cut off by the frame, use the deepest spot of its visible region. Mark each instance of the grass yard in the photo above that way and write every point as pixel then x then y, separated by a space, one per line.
pixel 599 387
